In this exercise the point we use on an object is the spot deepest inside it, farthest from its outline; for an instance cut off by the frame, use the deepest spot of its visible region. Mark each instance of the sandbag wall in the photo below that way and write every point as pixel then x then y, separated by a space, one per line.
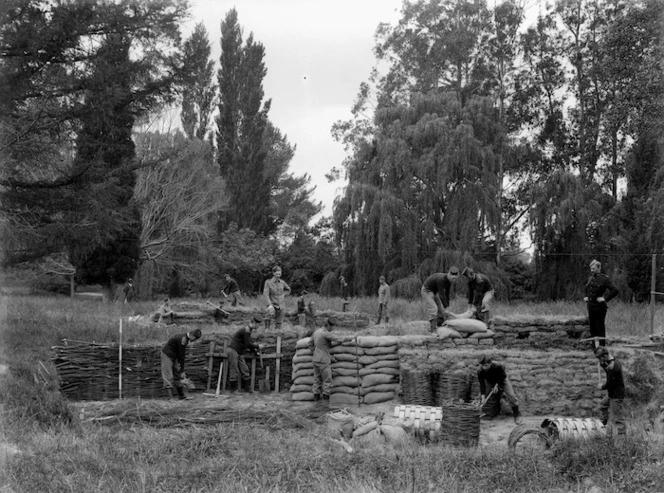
pixel 366 372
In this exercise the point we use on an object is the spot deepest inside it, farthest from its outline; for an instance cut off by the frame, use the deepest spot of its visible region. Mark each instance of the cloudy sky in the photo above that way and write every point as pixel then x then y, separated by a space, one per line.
pixel 317 54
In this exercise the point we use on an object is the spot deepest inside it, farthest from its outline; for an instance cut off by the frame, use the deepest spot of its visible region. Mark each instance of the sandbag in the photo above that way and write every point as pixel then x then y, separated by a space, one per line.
pixel 345 381
pixel 302 396
pixel 376 341
pixel 309 365
pixel 344 389
pixel 381 350
pixel 466 325
pixel 367 360
pixel 352 349
pixel 383 387
pixel 298 358
pixel 294 389
pixel 306 380
pixel 341 423
pixel 344 372
pixel 364 429
pixel 345 357
pixel 483 335
pixel 373 439
pixel 343 400
pixel 378 397
pixel 385 363
pixel 377 379
pixel 308 372
pixel 303 343
pixel 304 352
pixel 445 332
pixel 384 371
pixel 394 435
pixel 349 365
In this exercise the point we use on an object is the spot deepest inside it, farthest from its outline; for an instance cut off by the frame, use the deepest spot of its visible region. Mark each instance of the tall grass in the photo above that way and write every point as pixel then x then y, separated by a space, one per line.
pixel 45 447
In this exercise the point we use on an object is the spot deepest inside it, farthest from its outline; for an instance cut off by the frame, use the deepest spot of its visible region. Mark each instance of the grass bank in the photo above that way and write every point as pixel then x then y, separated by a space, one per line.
pixel 45 447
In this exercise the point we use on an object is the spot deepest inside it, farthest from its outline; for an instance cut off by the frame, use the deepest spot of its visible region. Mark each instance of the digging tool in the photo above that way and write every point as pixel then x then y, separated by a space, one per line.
pixel 227 314
pixel 486 399
pixel 596 344
pixel 217 392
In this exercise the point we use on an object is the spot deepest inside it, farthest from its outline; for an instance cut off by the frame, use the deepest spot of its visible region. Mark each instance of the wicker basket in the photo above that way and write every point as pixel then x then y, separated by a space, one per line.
pixel 416 387
pixel 452 387
pixel 460 424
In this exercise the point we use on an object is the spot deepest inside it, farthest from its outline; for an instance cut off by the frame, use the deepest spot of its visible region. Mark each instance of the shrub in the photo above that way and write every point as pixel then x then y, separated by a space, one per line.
pixel 407 288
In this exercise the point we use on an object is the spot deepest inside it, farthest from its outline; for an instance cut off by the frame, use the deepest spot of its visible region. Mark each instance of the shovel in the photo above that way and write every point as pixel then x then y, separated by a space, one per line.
pixel 224 312
pixel 486 400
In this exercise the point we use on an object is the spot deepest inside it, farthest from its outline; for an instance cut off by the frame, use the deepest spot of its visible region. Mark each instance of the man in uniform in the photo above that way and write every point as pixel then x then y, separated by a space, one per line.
pixel 172 361
pixel 480 294
pixel 320 343
pixel 275 292
pixel 611 406
pixel 383 299
pixel 232 289
pixel 492 376
pixel 240 344
pixel 599 290
pixel 436 295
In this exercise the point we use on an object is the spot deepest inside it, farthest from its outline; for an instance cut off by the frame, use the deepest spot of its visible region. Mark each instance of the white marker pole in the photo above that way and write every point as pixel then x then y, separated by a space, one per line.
pixel 120 362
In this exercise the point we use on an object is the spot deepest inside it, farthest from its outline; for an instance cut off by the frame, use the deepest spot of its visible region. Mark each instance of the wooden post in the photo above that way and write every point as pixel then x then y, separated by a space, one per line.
pixel 653 276
pixel 210 365
pixel 120 363
pixel 252 381
pixel 224 368
pixel 277 365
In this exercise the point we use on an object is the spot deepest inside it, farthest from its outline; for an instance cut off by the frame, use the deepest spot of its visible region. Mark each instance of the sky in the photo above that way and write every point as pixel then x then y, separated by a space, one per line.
pixel 317 52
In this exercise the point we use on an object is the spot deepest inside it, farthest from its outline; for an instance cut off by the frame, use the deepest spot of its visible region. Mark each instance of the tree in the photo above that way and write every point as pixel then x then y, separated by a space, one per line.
pixel 199 89
pixel 75 77
pixel 179 194
pixel 241 126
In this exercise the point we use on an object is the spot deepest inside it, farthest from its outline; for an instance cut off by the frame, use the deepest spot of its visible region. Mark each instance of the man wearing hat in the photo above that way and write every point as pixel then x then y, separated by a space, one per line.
pixel 172 361
pixel 128 291
pixel 237 365
pixel 275 292
pixel 436 295
pixel 233 290
pixel 493 377
pixel 480 294
pixel 599 290
pixel 320 343
pixel 611 406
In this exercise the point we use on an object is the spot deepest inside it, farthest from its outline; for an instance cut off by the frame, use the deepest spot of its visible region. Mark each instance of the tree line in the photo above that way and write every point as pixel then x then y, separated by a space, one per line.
pixel 477 131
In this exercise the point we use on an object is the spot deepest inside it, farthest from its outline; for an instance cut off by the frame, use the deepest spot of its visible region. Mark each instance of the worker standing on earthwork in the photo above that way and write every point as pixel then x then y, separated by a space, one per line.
pixel 172 361
pixel 480 294
pixel 436 295
pixel 383 299
pixel 599 290
pixel 231 289
pixel 128 291
pixel 275 292
pixel 611 406
pixel 320 343
pixel 166 312
pixel 493 378
pixel 241 343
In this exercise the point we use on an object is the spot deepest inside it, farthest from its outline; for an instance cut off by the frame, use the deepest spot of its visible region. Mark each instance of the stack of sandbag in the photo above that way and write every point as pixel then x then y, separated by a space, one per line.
pixel 366 372
pixel 464 327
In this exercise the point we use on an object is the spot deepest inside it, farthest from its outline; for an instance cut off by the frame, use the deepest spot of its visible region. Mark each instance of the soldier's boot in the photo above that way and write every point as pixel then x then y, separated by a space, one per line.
pixel 517 415
pixel 316 397
pixel 246 384
pixel 181 395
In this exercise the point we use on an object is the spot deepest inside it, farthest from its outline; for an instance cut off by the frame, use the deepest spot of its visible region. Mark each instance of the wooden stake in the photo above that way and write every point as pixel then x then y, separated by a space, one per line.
pixel 120 362
pixel 278 365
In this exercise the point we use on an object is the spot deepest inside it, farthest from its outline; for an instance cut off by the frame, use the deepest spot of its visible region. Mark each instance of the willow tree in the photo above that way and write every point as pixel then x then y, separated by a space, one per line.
pixel 425 172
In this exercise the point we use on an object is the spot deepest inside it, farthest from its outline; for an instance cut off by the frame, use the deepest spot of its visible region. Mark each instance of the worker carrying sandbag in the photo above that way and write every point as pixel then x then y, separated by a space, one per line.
pixel 436 295
pixel 493 380
pixel 480 294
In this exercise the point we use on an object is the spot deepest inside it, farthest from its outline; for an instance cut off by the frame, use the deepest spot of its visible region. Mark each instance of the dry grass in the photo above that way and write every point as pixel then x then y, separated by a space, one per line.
pixel 45 446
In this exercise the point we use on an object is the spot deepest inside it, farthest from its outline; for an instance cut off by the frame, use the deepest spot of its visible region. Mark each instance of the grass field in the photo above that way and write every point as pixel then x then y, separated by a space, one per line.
pixel 44 446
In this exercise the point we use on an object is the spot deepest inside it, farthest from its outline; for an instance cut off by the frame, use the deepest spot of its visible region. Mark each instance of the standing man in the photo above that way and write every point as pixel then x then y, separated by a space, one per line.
pixel 480 294
pixel 238 347
pixel 492 376
pixel 344 287
pixel 436 295
pixel 383 299
pixel 320 343
pixel 231 289
pixel 128 291
pixel 611 406
pixel 172 361
pixel 599 290
pixel 275 292
pixel 166 312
